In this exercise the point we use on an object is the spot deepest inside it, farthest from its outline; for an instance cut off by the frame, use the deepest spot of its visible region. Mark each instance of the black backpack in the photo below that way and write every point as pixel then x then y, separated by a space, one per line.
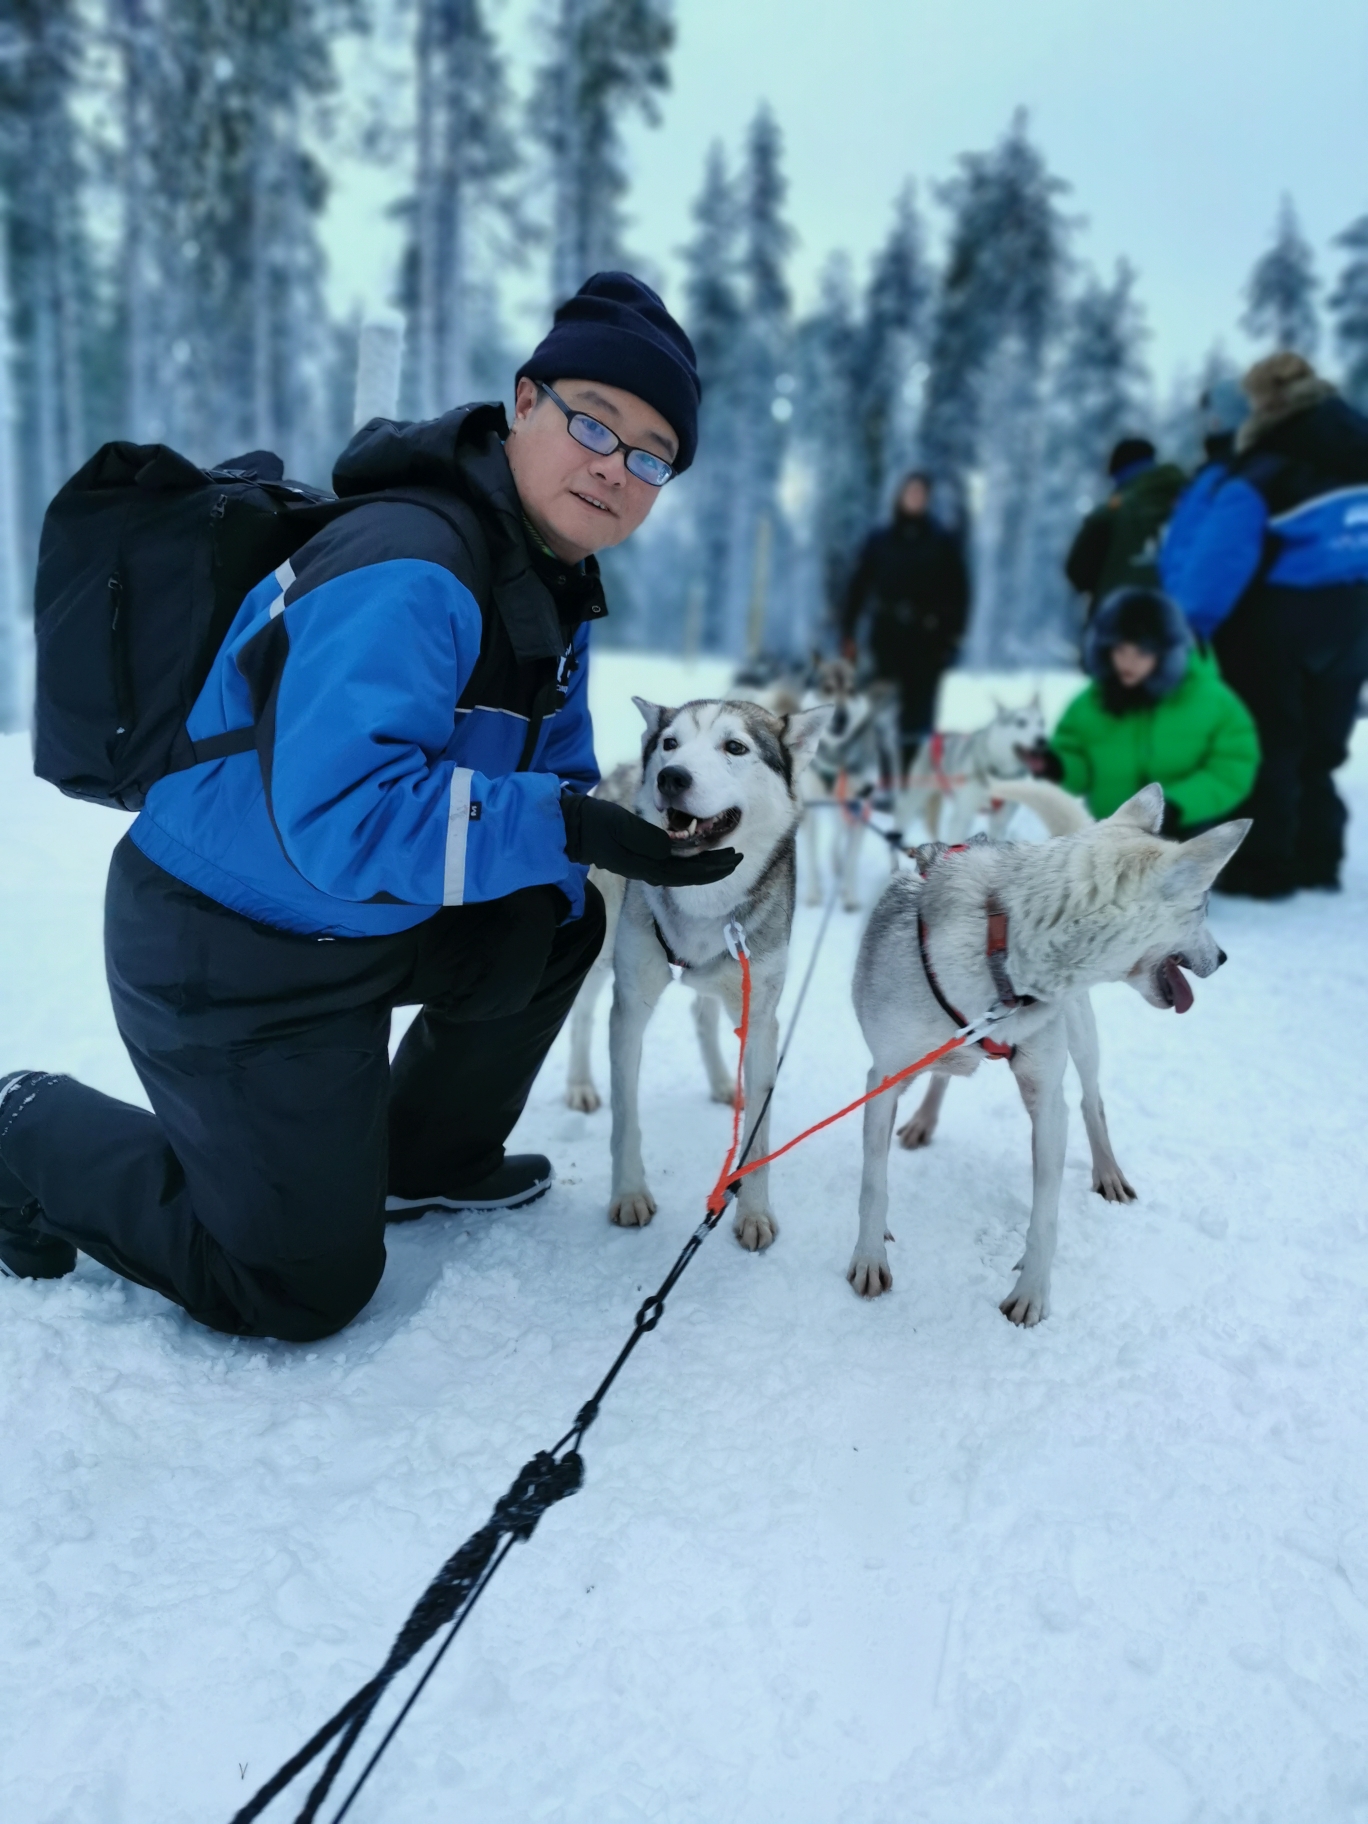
pixel 144 560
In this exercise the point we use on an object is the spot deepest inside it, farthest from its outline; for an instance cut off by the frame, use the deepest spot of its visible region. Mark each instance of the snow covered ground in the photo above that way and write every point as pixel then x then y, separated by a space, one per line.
pixel 834 1562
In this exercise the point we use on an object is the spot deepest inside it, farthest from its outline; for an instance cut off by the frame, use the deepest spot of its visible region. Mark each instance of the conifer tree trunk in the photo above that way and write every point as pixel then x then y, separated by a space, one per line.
pixel 426 212
pixel 140 418
pixel 13 634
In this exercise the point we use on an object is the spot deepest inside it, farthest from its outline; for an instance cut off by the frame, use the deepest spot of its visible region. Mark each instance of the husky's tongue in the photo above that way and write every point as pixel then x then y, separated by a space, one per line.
pixel 1179 986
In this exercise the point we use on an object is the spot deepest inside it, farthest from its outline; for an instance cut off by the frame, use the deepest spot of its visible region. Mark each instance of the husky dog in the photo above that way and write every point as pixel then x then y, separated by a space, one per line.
pixel 1025 929
pixel 775 683
pixel 949 781
pixel 1062 815
pixel 712 773
pixel 856 757
pixel 620 787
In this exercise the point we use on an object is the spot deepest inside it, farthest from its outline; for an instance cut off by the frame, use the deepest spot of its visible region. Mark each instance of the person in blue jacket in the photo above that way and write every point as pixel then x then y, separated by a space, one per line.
pixel 1222 409
pixel 1273 570
pixel 414 827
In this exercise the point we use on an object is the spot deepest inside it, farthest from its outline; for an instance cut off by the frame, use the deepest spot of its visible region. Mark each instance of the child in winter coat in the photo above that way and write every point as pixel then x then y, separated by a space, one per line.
pixel 1155 710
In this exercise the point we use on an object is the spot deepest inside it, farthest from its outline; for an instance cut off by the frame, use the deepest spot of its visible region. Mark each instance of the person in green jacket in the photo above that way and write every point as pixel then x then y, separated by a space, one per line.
pixel 1156 709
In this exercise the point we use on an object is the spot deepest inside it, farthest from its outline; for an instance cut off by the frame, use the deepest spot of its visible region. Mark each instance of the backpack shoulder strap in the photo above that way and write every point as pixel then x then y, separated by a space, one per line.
pixel 464 522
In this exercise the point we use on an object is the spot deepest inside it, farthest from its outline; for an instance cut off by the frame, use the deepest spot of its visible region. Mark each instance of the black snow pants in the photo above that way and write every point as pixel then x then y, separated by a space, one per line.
pixel 1298 658
pixel 254 1195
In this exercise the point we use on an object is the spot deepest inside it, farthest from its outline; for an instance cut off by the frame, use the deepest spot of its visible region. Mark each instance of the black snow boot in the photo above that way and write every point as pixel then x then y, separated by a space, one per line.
pixel 521 1179
pixel 25 1252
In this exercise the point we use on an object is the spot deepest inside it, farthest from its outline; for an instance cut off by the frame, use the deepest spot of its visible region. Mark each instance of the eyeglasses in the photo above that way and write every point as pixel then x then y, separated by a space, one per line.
pixel 653 470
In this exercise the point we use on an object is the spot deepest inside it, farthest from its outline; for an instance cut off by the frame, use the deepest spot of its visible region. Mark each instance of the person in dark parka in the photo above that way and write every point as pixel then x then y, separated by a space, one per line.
pixel 911 586
pixel 1276 575
pixel 1117 545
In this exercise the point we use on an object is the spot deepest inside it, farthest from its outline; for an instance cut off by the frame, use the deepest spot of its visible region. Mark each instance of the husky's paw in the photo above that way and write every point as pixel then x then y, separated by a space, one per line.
pixel 724 1091
pixel 1027 1303
pixel 870 1274
pixel 918 1131
pixel 1110 1181
pixel 755 1229
pixel 633 1209
pixel 582 1096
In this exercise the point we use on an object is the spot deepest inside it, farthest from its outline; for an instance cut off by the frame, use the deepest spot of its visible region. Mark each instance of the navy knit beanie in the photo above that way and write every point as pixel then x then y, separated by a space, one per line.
pixel 615 329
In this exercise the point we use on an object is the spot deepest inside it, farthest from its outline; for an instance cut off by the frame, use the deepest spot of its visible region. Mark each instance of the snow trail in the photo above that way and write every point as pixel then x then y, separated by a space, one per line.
pixel 889 1563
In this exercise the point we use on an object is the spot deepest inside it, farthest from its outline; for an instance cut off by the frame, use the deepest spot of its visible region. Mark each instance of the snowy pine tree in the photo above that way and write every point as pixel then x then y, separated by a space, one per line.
pixel 227 339
pixel 997 307
pixel 714 316
pixel 608 59
pixel 766 382
pixel 1102 374
pixel 465 157
pixel 831 384
pixel 1097 391
pixel 50 274
pixel 13 628
pixel 891 341
pixel 1349 311
pixel 1281 292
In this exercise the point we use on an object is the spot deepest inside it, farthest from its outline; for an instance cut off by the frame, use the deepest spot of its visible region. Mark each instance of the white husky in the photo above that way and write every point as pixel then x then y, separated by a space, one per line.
pixel 1026 929
pixel 1062 815
pixel 713 774
pixel 951 777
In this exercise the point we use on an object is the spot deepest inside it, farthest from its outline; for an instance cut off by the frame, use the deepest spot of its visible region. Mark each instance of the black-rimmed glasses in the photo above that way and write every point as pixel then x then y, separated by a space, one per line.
pixel 653 470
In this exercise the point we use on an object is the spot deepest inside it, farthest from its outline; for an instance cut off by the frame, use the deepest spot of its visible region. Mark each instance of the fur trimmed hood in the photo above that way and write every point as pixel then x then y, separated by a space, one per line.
pixel 1278 388
pixel 1109 627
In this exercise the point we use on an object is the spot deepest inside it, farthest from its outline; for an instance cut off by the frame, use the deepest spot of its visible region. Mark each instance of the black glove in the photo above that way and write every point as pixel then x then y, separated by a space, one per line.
pixel 607 836
pixel 1041 763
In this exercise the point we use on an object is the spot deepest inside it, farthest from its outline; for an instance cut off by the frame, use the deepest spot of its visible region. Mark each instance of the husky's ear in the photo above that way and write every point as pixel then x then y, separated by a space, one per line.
pixel 654 715
pixel 1143 812
pixel 803 730
pixel 1198 862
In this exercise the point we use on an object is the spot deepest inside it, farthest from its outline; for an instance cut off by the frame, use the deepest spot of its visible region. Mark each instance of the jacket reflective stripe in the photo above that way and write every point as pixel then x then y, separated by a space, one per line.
pixel 284 575
pixel 1319 502
pixel 458 832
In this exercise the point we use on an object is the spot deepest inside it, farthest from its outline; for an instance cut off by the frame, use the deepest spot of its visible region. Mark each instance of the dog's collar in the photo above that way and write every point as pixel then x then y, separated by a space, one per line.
pixel 679 964
pixel 995 950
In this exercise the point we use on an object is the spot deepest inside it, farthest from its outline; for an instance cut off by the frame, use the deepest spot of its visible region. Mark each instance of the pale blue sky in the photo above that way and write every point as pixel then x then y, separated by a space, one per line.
pixel 1179 123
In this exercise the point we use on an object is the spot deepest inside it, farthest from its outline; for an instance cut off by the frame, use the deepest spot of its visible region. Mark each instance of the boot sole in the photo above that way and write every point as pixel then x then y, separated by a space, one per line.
pixel 400 1209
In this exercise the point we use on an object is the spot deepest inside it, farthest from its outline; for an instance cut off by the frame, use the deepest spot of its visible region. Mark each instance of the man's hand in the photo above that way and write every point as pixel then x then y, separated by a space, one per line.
pixel 1041 762
pixel 609 837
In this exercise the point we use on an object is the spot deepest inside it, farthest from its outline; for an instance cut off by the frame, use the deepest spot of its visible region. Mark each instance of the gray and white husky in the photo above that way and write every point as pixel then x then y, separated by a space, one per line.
pixel 950 779
pixel 1026 929
pixel 857 756
pixel 714 774
pixel 620 787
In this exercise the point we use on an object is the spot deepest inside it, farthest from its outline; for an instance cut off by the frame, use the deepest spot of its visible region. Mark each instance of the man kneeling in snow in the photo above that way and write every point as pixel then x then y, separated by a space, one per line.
pixel 414 828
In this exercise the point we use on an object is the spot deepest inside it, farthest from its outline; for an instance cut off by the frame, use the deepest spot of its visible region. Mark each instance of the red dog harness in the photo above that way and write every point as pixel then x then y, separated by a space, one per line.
pixel 995 951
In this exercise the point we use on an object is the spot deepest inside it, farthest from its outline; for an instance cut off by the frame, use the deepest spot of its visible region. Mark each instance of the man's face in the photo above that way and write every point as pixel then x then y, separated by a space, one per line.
pixel 578 501
pixel 913 499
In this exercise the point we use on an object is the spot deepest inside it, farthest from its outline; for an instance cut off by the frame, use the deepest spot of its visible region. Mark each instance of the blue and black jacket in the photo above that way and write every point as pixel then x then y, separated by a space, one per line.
pixel 1291 513
pixel 418 680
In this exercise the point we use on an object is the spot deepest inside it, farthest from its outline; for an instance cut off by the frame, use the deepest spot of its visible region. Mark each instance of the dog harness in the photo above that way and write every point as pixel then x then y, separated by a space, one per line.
pixel 995 951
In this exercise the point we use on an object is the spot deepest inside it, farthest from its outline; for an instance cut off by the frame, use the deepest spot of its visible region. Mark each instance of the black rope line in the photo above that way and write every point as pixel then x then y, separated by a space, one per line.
pixel 543 1480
